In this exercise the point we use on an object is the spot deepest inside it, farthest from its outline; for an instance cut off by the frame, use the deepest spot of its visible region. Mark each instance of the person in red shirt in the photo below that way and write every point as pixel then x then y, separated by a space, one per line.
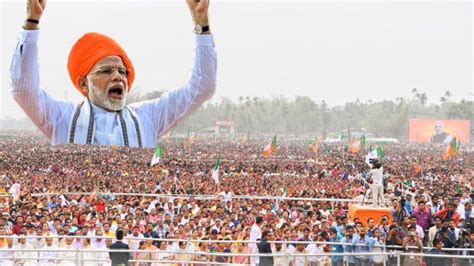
pixel 100 205
pixel 17 226
pixel 449 213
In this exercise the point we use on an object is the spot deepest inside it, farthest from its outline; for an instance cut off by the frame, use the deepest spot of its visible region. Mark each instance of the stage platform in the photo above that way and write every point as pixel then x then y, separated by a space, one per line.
pixel 364 212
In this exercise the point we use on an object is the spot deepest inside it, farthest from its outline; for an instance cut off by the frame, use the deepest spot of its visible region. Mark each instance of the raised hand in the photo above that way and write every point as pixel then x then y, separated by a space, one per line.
pixel 34 11
pixel 199 10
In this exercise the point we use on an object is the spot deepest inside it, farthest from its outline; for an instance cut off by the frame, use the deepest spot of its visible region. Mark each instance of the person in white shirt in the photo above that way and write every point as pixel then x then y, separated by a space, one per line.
pixel 38 242
pixel 379 247
pixel 299 260
pixel 15 190
pixel 226 195
pixel 7 251
pixel 278 250
pixel 67 256
pixel 102 72
pixel 377 184
pixel 134 243
pixel 255 234
pixel 317 250
pixel 90 254
pixel 47 257
pixel 98 242
pixel 359 199
pixel 436 205
pixel 27 256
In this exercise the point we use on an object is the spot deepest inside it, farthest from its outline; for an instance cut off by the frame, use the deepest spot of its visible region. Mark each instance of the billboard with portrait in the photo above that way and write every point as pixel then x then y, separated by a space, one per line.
pixel 438 131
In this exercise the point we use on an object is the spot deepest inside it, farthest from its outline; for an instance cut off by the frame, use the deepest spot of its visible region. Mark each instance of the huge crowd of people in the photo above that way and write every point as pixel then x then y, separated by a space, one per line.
pixel 54 193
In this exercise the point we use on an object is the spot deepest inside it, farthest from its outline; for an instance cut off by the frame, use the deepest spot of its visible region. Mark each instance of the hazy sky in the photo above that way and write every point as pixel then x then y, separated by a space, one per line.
pixel 333 51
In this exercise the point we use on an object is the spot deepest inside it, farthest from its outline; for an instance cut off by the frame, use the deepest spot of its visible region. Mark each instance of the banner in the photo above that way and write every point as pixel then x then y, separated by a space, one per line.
pixel 438 131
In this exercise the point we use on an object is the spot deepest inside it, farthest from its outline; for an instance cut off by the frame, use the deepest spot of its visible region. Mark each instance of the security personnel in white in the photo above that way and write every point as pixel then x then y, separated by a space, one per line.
pixel 377 183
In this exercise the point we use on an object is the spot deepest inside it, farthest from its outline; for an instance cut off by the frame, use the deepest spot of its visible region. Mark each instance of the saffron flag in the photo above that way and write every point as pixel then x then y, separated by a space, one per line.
pixel 450 149
pixel 314 145
pixel 418 166
pixel 271 147
pixel 354 146
pixel 357 145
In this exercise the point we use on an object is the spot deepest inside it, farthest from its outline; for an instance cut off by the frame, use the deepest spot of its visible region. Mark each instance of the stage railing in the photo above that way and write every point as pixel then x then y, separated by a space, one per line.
pixel 210 241
pixel 81 256
pixel 195 196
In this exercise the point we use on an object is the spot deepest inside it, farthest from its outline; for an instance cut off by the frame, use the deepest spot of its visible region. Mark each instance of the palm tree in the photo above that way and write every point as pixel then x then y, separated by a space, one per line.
pixel 423 98
pixel 418 96
pixel 443 100
pixel 447 94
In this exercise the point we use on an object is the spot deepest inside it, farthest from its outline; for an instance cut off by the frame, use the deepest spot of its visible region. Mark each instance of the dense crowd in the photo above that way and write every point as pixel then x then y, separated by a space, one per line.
pixel 431 208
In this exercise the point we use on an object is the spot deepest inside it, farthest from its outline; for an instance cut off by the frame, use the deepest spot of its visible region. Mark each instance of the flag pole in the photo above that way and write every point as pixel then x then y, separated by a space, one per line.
pixel 279 162
pixel 421 167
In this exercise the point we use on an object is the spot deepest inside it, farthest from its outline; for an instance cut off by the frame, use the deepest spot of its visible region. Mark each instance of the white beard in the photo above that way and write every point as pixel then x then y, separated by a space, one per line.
pixel 101 98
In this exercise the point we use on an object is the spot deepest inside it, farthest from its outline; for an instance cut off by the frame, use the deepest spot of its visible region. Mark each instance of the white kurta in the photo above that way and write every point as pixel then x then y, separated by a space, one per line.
pixel 255 233
pixel 6 252
pixel 48 257
pixel 27 256
pixel 156 117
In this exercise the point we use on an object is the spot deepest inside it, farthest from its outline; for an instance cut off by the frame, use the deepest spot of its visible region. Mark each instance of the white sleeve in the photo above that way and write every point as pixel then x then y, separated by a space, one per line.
pixel 25 83
pixel 176 105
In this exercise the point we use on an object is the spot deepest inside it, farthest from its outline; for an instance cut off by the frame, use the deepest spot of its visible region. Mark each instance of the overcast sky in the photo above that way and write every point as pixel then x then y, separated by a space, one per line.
pixel 333 51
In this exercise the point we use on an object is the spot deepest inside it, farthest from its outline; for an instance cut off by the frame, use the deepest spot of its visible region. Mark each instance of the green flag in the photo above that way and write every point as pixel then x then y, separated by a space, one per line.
pixel 362 142
pixel 215 171
pixel 379 153
pixel 157 155
pixel 283 192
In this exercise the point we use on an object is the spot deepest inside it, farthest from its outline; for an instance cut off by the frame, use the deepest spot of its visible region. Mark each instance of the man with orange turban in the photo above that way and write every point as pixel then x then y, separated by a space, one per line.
pixel 101 70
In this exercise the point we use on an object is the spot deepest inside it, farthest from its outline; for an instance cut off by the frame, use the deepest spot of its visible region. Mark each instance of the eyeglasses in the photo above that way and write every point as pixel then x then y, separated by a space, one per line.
pixel 109 70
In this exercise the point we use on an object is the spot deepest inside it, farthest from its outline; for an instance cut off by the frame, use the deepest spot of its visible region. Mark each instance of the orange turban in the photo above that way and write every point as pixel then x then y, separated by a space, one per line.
pixel 91 48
